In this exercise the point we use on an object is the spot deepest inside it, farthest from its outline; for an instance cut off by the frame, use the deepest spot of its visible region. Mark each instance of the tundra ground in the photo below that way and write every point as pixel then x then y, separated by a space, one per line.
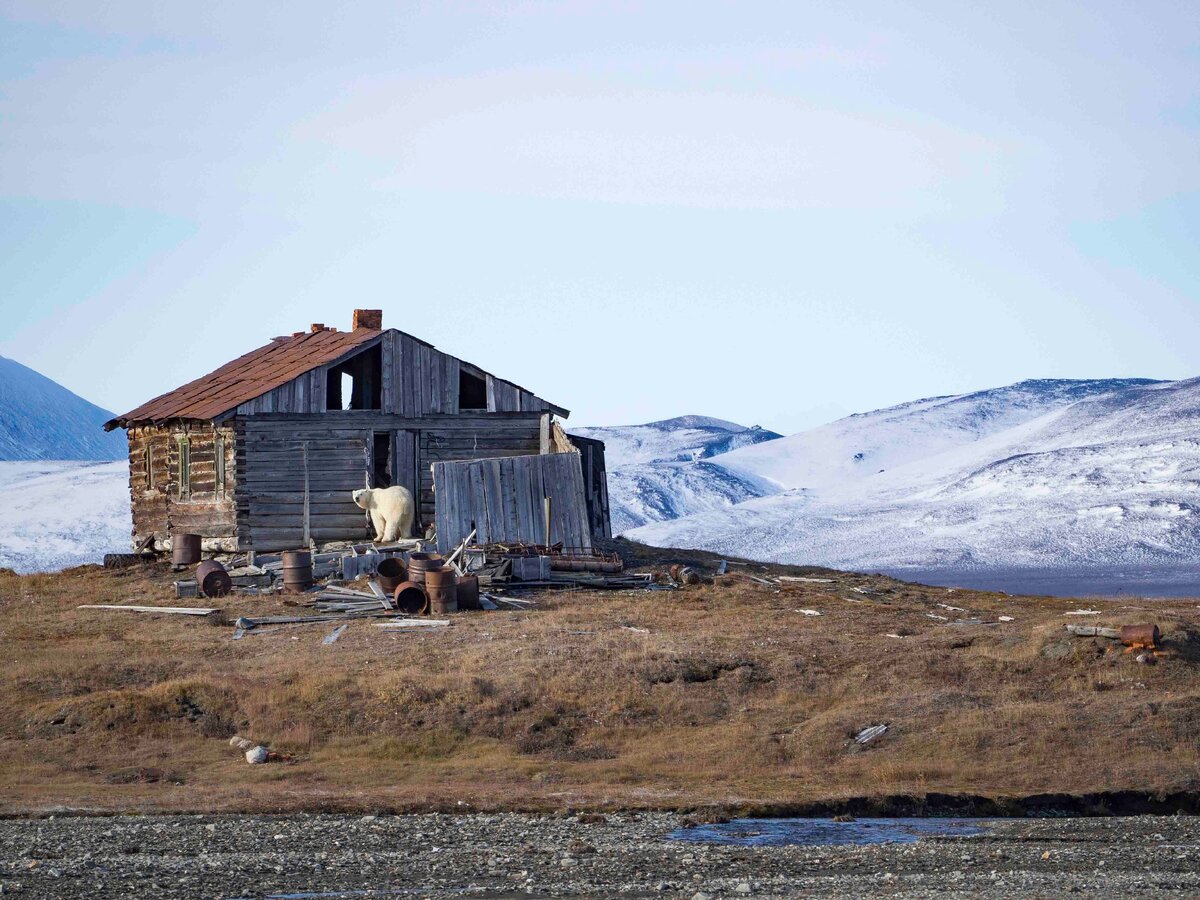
pixel 725 697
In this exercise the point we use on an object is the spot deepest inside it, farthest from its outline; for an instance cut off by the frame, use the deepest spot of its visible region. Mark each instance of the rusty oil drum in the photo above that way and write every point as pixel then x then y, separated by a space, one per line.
pixel 441 586
pixel 185 549
pixel 421 563
pixel 213 580
pixel 1145 636
pixel 410 598
pixel 391 574
pixel 468 592
pixel 297 571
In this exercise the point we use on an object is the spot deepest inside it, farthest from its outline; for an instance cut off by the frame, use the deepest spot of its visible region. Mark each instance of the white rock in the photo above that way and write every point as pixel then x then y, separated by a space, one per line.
pixel 256 755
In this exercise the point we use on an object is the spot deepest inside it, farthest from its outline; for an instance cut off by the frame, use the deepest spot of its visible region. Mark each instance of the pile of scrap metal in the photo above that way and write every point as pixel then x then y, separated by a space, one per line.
pixel 523 566
pixel 404 580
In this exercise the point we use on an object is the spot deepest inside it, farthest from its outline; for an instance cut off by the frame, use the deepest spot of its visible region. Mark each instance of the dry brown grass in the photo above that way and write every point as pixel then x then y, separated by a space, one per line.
pixel 731 698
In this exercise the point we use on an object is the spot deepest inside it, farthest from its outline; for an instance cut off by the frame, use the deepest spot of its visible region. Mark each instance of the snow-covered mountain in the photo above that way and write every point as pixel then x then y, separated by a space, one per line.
pixel 41 419
pixel 1051 475
pixel 661 470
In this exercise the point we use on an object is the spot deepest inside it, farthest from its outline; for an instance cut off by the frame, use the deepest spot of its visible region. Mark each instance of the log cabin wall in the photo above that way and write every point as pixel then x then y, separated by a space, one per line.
pixel 176 483
pixel 281 458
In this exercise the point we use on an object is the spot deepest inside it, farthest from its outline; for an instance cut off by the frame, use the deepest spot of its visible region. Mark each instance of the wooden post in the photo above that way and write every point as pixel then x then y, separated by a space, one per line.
pixel 547 510
pixel 307 530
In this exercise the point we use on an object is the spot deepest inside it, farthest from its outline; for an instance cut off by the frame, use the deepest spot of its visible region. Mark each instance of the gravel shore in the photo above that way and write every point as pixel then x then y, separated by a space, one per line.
pixel 514 855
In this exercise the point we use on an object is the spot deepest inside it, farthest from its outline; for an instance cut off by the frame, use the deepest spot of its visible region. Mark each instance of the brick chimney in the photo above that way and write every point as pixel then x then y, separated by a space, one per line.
pixel 368 318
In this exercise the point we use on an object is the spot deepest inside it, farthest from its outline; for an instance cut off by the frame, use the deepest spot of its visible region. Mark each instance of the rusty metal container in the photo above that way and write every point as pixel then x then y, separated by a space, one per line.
pixel 185 549
pixel 297 571
pixel 1140 636
pixel 410 598
pixel 420 563
pixel 684 575
pixel 214 581
pixel 442 588
pixel 468 592
pixel 391 573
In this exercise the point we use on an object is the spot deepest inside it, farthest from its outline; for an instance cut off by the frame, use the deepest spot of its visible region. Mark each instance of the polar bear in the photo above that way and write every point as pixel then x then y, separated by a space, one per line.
pixel 391 511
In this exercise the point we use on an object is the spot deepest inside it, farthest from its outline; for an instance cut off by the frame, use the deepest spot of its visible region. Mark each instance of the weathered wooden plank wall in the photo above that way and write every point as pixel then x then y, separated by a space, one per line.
pixel 271 459
pixel 417 380
pixel 503 500
pixel 595 482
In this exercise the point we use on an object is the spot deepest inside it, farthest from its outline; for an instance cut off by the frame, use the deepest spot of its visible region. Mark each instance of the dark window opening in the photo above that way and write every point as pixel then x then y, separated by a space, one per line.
pixel 472 391
pixel 357 383
pixel 381 458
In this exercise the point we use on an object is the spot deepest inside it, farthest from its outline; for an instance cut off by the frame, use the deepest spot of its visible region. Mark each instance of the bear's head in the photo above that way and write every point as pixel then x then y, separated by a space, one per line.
pixel 362 498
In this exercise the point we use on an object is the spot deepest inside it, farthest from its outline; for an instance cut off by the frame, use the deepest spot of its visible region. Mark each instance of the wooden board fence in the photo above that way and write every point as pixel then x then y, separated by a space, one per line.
pixel 504 500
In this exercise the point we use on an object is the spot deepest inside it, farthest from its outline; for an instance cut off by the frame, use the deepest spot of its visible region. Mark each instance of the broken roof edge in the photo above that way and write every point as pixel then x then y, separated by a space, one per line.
pixel 371 337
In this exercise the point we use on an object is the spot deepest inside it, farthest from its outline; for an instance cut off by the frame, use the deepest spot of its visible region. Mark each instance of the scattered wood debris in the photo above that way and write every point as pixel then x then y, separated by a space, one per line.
pixel 870 733
pixel 1092 631
pixel 335 634
pixel 246 623
pixel 168 610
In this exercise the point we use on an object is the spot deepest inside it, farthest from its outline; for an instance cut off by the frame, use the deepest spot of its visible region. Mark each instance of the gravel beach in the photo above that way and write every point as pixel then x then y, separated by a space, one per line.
pixel 513 855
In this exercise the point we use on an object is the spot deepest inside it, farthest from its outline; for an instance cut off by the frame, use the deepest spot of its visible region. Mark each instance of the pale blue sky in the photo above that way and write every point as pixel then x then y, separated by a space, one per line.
pixel 777 213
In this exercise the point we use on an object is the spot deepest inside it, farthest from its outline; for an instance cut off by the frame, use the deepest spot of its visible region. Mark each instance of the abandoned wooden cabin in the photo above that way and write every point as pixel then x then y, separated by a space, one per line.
pixel 264 453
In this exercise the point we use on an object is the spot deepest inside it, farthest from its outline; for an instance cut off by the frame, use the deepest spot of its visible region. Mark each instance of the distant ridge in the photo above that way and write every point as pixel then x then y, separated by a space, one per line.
pixel 1073 476
pixel 661 470
pixel 40 419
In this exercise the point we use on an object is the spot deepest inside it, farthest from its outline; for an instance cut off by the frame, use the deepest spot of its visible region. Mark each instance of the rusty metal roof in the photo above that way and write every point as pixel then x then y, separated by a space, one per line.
pixel 248 376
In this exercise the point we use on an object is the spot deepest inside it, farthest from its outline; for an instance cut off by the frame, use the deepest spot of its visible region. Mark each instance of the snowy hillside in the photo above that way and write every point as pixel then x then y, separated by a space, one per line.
pixel 660 470
pixel 40 419
pixel 40 533
pixel 1066 475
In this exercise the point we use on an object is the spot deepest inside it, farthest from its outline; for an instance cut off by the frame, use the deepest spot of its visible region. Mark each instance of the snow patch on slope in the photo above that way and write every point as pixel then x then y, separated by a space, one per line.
pixel 1050 475
pixel 62 513
pixel 660 470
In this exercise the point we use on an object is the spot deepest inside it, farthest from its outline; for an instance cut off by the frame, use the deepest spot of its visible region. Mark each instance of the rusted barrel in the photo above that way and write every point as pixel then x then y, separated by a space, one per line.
pixel 468 592
pixel 685 575
pixel 185 549
pixel 391 574
pixel 440 585
pixel 1142 636
pixel 410 598
pixel 212 578
pixel 297 571
pixel 420 563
